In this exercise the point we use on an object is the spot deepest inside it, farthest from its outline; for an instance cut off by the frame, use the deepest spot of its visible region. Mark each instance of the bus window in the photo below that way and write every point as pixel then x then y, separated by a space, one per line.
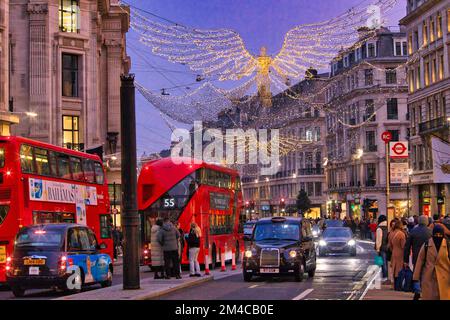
pixel 26 159
pixel 63 166
pixel 4 209
pixel 88 168
pixel 52 163
pixel 42 164
pixel 75 167
pixel 2 157
pixel 105 226
pixel 99 177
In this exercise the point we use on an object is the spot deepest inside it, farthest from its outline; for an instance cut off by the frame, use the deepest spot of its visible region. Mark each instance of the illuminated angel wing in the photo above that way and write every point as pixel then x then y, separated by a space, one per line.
pixel 314 45
pixel 210 53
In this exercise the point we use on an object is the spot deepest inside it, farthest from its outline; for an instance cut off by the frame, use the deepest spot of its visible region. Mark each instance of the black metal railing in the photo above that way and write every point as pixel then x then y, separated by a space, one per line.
pixel 311 171
pixel 371 183
pixel 433 125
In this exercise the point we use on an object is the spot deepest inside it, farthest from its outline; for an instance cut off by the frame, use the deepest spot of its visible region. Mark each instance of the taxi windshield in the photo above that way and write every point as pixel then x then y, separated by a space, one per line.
pixel 337 233
pixel 277 231
pixel 39 238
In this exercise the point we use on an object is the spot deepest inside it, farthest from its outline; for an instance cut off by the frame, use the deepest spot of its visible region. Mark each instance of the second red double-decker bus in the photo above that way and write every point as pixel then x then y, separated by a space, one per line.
pixel 185 191
pixel 42 183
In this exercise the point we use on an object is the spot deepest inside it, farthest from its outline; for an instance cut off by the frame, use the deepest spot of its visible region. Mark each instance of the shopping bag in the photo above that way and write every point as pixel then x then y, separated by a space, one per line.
pixel 379 261
pixel 404 280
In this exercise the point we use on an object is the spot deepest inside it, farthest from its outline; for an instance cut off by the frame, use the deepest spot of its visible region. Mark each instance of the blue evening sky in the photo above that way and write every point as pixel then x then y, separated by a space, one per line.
pixel 259 22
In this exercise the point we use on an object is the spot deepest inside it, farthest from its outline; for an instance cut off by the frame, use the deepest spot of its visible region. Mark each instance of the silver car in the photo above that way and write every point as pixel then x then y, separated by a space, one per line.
pixel 337 240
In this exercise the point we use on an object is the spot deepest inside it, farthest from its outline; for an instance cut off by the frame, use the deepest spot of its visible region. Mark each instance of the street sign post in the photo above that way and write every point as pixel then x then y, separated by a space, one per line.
pixel 387 137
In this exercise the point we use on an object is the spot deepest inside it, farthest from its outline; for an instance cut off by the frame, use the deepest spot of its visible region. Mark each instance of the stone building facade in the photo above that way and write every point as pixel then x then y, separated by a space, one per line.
pixel 366 96
pixel 427 25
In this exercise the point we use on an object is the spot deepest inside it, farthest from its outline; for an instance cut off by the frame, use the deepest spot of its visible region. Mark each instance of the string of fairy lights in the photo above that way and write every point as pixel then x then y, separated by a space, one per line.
pixel 221 55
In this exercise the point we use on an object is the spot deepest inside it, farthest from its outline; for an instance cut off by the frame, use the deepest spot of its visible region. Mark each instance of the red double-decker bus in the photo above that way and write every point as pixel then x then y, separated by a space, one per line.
pixel 42 183
pixel 208 194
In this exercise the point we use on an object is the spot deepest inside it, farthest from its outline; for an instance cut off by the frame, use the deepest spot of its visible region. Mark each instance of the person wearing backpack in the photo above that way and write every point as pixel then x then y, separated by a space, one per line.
pixel 432 273
pixel 193 241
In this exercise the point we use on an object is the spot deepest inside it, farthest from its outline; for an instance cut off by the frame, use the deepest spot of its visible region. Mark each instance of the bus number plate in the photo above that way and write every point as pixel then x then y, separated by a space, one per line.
pixel 33 271
pixel 2 254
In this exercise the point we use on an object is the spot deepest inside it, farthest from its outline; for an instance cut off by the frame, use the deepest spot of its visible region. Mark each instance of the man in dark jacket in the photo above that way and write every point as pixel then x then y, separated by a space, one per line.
pixel 169 237
pixel 417 237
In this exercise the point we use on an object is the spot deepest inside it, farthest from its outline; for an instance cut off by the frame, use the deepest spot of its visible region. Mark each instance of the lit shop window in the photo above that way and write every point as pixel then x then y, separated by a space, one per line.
pixel 69 16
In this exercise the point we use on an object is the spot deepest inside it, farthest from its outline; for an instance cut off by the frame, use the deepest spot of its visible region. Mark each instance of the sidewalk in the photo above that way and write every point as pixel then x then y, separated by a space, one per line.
pixel 386 293
pixel 150 288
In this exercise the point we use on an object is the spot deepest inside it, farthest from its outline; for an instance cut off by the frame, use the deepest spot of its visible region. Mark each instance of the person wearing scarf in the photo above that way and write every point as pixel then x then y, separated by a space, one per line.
pixel 433 270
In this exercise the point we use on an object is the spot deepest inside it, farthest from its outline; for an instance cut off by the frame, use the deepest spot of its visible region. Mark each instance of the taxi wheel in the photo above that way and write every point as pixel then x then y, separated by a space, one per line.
pixel 18 291
pixel 247 277
pixel 108 281
pixel 299 274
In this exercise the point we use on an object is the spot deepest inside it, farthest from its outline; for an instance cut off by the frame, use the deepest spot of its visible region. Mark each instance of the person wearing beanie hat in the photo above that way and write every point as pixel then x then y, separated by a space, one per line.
pixel 415 240
pixel 433 267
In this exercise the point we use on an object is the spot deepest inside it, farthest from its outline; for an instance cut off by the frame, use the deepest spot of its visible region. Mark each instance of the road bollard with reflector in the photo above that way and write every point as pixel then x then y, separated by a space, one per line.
pixel 233 259
pixel 207 262
pixel 222 261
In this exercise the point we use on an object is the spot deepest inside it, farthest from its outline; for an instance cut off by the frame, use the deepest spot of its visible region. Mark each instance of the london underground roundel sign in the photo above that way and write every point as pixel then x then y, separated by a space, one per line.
pixel 386 136
pixel 398 149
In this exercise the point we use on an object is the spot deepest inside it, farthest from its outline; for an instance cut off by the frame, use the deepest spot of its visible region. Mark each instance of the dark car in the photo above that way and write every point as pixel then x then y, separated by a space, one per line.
pixel 63 256
pixel 280 246
pixel 248 230
pixel 337 240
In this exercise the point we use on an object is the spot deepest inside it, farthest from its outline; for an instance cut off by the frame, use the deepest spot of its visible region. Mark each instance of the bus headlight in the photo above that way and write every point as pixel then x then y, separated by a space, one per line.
pixel 248 254
pixel 351 242
pixel 292 253
pixel 322 243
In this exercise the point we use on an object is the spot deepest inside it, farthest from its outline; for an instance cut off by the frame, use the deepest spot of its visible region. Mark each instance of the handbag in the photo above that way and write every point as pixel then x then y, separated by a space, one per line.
pixel 404 281
pixel 379 261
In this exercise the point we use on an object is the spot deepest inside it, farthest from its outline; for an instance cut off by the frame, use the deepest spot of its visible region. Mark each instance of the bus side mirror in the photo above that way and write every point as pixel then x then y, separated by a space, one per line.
pixel 102 246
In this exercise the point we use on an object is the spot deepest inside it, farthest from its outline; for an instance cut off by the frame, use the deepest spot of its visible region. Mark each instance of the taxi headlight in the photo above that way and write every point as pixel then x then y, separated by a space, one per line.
pixel 292 253
pixel 351 242
pixel 315 233
pixel 248 254
pixel 322 243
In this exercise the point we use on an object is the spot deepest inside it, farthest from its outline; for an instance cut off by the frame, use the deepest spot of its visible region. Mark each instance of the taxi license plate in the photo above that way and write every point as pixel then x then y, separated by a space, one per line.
pixel 269 270
pixel 33 271
pixel 2 254
pixel 34 262
pixel 337 248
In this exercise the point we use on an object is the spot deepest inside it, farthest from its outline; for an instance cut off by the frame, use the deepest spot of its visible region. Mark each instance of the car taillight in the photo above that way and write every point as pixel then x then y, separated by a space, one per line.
pixel 8 264
pixel 62 264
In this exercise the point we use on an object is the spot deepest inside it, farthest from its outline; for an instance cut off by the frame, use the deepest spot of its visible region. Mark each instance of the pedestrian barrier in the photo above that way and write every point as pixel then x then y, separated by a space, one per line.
pixel 233 259
pixel 222 261
pixel 206 262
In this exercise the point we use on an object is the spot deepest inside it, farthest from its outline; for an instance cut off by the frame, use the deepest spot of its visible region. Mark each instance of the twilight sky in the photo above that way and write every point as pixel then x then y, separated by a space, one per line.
pixel 259 22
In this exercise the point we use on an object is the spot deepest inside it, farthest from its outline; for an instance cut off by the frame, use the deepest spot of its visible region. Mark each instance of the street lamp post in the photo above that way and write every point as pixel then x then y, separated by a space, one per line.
pixel 130 215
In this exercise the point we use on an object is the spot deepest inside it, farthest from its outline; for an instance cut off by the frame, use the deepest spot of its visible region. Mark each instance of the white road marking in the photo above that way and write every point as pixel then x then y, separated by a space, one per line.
pixel 253 286
pixel 303 294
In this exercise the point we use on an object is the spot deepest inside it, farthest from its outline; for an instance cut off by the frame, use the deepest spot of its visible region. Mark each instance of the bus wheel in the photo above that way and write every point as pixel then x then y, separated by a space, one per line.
pixel 17 291
pixel 213 257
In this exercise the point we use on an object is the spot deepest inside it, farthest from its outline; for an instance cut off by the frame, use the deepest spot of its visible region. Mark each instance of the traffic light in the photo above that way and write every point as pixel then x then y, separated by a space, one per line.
pixel 283 205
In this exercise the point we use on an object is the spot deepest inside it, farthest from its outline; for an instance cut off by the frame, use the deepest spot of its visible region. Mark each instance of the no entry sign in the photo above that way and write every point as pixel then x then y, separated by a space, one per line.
pixel 398 149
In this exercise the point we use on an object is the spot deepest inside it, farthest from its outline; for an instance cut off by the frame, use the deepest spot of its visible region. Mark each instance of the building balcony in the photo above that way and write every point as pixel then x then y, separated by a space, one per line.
pixel 433 125
pixel 371 183
pixel 311 172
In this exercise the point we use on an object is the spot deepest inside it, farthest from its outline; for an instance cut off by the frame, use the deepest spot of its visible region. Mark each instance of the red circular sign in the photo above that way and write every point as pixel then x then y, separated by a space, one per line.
pixel 399 148
pixel 386 136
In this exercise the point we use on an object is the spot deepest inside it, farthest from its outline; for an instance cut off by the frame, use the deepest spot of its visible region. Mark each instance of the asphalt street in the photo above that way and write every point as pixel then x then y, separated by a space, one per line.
pixel 336 278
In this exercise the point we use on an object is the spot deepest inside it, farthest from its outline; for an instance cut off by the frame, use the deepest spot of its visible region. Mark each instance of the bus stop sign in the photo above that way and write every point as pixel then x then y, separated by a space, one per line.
pixel 386 136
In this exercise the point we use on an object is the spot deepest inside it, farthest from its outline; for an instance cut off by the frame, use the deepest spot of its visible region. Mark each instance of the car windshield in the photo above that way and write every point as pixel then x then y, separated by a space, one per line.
pixel 333 223
pixel 248 228
pixel 39 238
pixel 277 231
pixel 337 233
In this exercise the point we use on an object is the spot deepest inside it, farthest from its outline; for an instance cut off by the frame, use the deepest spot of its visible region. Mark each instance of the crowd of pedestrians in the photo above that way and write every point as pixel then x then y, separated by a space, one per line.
pixel 417 246
pixel 167 246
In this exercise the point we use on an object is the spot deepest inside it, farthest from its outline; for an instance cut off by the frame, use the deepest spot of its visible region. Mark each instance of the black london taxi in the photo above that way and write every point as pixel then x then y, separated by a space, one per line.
pixel 280 246
pixel 65 256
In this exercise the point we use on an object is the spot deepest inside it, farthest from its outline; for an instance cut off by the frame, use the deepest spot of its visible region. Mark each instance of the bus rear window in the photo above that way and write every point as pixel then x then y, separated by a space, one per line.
pixel 99 173
pixel 2 157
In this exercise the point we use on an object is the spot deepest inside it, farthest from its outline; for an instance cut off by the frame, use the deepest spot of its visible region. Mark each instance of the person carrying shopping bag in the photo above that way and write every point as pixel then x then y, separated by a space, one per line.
pixel 193 241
